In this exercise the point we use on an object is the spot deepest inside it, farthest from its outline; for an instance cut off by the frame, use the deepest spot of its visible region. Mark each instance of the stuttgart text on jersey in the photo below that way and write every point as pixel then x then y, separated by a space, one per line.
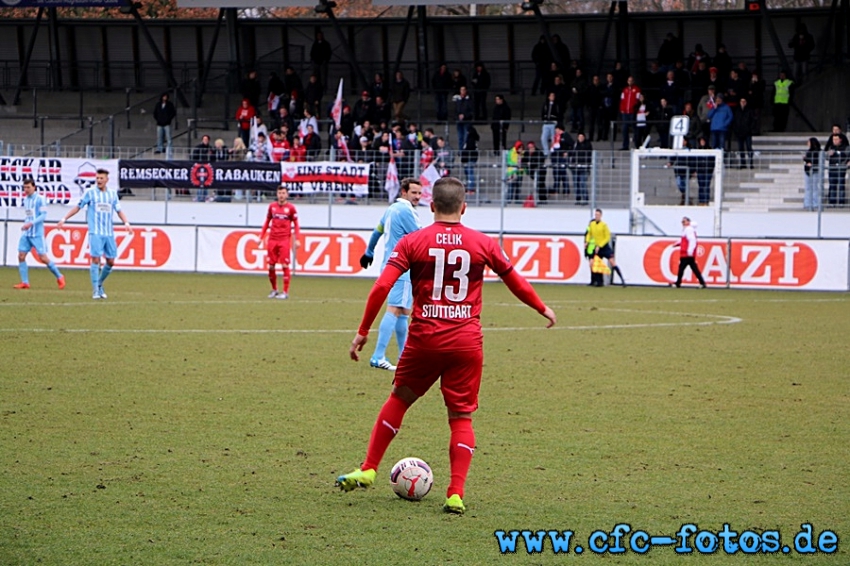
pixel 447 311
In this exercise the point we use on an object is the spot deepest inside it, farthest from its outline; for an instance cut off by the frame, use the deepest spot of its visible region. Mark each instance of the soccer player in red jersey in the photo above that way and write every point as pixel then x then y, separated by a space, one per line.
pixel 446 262
pixel 283 220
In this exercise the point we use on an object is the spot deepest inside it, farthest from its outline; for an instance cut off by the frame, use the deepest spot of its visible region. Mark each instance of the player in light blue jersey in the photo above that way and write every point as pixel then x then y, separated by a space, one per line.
pixel 101 203
pixel 399 219
pixel 32 236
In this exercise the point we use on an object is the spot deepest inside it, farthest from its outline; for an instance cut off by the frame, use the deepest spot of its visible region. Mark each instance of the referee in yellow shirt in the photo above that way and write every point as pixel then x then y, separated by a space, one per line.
pixel 599 232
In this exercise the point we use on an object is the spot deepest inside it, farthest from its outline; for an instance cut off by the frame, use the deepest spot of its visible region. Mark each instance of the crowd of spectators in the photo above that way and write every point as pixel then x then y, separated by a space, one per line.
pixel 723 98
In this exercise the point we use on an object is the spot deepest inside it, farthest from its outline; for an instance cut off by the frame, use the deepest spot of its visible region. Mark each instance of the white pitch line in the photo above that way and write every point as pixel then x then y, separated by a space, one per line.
pixel 721 319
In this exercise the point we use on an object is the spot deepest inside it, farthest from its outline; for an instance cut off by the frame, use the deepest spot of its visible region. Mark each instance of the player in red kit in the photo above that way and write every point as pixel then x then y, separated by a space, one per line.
pixel 447 261
pixel 282 218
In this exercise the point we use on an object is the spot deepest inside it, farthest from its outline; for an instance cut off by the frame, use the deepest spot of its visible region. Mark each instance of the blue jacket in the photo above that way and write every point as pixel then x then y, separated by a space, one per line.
pixel 721 118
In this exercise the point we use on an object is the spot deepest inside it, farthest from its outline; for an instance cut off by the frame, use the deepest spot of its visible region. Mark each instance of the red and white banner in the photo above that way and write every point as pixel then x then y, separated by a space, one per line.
pixel 820 265
pixel 756 264
pixel 325 177
pixel 60 180
pixel 166 248
pixel 228 250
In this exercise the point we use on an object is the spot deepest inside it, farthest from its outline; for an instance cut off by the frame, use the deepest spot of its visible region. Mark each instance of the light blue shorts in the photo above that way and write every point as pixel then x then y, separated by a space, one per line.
pixel 401 295
pixel 102 246
pixel 26 243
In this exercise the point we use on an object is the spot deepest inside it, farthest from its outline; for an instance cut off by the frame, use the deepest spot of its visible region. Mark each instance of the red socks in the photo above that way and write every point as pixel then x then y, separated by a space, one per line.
pixel 386 427
pixel 287 276
pixel 273 278
pixel 461 447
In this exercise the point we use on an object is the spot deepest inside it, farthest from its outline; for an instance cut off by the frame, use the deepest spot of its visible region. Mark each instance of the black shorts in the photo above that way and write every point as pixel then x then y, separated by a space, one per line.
pixel 605 252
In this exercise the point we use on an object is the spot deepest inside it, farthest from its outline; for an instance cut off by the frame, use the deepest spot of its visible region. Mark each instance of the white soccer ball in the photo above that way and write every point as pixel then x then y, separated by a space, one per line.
pixel 411 478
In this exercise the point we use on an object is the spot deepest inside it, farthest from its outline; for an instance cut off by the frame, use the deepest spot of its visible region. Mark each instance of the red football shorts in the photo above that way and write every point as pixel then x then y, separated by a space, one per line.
pixel 459 373
pixel 280 251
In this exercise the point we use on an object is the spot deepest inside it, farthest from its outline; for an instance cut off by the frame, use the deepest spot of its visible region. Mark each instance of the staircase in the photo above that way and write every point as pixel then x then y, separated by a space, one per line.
pixel 776 182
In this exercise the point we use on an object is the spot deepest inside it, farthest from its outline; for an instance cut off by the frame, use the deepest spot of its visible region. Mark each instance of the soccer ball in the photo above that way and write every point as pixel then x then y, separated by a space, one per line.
pixel 411 479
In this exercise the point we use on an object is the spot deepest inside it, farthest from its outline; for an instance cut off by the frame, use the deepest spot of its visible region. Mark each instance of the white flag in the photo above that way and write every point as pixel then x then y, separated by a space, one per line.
pixel 427 179
pixel 391 185
pixel 336 111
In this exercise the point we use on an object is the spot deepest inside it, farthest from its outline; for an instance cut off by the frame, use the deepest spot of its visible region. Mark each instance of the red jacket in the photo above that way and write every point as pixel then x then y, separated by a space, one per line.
pixel 629 99
pixel 244 115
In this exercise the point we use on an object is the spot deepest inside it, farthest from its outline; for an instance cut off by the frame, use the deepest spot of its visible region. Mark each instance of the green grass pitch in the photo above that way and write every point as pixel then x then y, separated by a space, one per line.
pixel 189 420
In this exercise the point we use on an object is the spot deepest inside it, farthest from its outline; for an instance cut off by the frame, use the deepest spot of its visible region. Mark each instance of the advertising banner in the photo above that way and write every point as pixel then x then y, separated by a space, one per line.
pixel 325 177
pixel 60 180
pixel 166 248
pixel 223 175
pixel 755 264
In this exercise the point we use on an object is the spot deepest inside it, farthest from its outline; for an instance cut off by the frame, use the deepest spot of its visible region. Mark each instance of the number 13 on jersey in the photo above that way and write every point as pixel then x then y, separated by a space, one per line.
pixel 461 259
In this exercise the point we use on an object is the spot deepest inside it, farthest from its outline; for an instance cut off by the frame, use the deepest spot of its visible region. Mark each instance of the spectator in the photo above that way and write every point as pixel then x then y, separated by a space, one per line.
pixel 294 89
pixel 320 57
pixel 279 147
pixel 722 61
pixel 714 78
pixel 260 149
pixel 704 167
pixel 720 118
pixel 781 101
pixel 629 99
pixel 594 107
pixel 164 113
pixel 346 121
pixel 260 127
pixel 579 89
pixel 306 122
pixel 562 145
pixel 541 56
pixel 426 155
pixel 219 151
pixel 744 126
pixel 562 52
pixel 665 114
pixel 238 151
pixel 313 95
pixel 669 52
pixel 610 101
pixel 563 94
pixel 580 160
pixel 803 44
pixel 839 157
pixel 735 89
pixel 464 112
pixel 621 76
pixel 480 88
pixel 535 164
pixel 549 115
pixel 379 87
pixel 399 95
pixel 698 56
pixel 694 126
pixel 469 159
pixel 283 119
pixel 514 171
pixel 458 80
pixel 244 114
pixel 202 153
pixel 443 157
pixel 641 118
pixel 364 109
pixel 706 104
pixel 501 123
pixel 276 86
pixel 813 177
pixel 251 88
pixel 682 171
pixel 755 98
pixel 313 143
pixel 672 91
pixel 836 131
pixel 441 83
pixel 298 153
pixel 743 73
pixel 653 82
pixel 700 82
pixel 383 112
